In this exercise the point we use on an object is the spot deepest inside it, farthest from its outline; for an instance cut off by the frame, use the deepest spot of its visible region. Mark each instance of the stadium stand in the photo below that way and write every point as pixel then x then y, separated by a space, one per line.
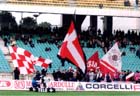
pixel 41 2
pixel 91 3
pixel 130 60
pixel 78 3
pixel 49 49
pixel 103 3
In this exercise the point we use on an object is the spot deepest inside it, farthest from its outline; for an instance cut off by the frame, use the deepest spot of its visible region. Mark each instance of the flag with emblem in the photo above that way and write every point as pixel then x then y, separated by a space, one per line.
pixel 71 49
pixel 111 61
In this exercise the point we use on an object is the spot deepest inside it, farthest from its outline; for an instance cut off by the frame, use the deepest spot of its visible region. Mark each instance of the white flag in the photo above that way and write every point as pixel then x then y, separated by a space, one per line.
pixel 112 60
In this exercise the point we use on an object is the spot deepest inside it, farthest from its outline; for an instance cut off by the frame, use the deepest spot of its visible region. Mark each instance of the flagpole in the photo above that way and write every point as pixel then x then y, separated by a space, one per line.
pixel 74 19
pixel 75 15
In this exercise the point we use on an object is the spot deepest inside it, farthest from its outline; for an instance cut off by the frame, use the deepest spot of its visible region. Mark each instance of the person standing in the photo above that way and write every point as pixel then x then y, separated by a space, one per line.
pixel 16 73
pixel 137 3
pixel 43 72
pixel 108 77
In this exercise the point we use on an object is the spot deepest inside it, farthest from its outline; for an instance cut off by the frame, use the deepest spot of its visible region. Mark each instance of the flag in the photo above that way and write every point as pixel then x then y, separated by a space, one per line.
pixel 93 62
pixel 111 61
pixel 39 61
pixel 22 59
pixel 71 49
pixel 129 76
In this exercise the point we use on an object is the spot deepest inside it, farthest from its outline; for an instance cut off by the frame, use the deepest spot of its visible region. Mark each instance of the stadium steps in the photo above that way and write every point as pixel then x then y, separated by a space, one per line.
pixel 5 66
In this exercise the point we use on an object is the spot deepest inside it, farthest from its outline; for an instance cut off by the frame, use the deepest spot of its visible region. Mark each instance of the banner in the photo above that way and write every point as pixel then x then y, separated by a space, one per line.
pixel 71 86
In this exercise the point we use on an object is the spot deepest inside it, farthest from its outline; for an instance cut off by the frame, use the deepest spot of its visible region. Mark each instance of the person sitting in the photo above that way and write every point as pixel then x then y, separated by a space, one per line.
pixel 127 3
pixel 43 84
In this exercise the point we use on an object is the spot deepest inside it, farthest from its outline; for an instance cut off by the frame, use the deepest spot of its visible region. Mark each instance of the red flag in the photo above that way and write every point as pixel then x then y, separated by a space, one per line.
pixel 93 62
pixel 42 62
pixel 22 59
pixel 71 49
pixel 111 61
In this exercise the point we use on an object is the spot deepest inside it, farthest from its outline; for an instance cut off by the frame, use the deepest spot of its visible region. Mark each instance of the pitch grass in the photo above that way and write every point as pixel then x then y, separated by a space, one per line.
pixel 91 93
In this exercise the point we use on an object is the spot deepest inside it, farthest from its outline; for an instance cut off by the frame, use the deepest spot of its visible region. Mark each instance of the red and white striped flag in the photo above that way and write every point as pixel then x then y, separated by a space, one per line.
pixel 129 76
pixel 93 62
pixel 39 61
pixel 71 49
pixel 22 59
pixel 111 61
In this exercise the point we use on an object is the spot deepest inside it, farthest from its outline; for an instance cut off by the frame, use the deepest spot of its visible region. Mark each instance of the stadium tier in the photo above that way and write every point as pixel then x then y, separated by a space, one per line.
pixel 50 50
pixel 129 62
pixel 40 2
pixel 78 3
pixel 101 3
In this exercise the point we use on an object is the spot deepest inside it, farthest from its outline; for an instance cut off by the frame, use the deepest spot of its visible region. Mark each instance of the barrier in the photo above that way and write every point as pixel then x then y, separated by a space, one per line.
pixel 71 86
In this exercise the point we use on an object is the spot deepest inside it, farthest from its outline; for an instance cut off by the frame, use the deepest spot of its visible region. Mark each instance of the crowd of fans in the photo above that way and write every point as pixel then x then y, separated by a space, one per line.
pixel 91 76
pixel 90 39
